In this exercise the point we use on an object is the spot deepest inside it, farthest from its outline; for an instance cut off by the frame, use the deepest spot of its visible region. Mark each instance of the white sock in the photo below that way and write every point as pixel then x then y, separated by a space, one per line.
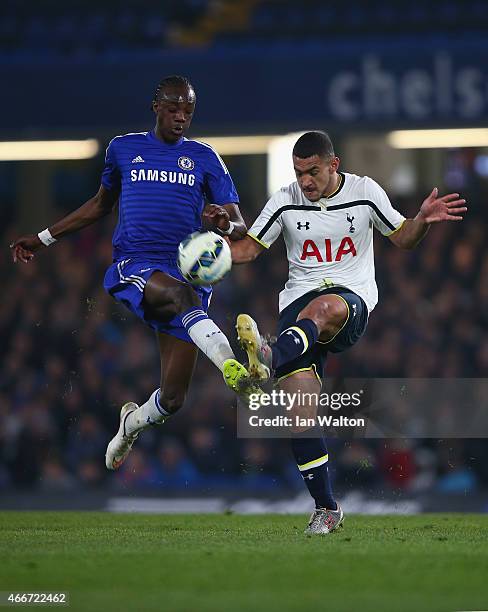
pixel 150 413
pixel 208 337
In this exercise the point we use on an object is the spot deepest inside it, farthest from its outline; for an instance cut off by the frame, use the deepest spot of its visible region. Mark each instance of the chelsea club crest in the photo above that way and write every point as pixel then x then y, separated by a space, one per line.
pixel 185 163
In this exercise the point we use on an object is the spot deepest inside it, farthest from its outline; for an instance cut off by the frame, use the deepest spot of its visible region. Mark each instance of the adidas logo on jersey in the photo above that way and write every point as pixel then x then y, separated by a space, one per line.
pixel 137 160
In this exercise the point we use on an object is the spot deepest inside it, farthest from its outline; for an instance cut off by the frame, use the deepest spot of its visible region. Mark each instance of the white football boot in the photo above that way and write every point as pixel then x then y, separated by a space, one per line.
pixel 324 521
pixel 121 444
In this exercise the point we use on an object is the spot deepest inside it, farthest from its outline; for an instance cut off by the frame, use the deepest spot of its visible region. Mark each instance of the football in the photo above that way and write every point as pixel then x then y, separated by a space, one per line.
pixel 204 258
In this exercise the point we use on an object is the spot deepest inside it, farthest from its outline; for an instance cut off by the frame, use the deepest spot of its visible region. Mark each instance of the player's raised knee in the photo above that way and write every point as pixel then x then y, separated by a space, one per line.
pixel 325 310
pixel 184 297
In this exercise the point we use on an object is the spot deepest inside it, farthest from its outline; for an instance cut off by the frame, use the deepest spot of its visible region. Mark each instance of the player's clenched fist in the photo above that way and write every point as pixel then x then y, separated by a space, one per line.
pixel 214 216
pixel 23 248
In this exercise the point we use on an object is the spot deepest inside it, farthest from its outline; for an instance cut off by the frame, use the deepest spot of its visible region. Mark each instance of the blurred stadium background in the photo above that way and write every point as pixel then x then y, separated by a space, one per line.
pixel 86 71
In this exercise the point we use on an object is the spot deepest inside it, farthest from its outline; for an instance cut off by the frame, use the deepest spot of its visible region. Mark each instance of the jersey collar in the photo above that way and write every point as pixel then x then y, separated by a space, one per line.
pixel 152 136
pixel 337 190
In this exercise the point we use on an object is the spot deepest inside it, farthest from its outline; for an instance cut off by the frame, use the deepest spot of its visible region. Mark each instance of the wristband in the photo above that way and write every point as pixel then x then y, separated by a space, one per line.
pixel 229 230
pixel 46 238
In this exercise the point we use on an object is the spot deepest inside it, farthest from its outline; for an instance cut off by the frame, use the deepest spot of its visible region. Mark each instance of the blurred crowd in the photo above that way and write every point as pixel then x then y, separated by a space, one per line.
pixel 70 356
pixel 81 30
pixel 84 29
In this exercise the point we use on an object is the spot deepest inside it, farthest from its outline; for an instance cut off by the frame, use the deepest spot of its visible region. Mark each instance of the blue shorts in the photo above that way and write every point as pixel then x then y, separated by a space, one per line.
pixel 125 280
pixel 349 334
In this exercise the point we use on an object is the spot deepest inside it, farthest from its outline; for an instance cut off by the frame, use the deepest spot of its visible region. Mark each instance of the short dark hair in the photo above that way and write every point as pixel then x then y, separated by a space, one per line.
pixel 173 80
pixel 314 143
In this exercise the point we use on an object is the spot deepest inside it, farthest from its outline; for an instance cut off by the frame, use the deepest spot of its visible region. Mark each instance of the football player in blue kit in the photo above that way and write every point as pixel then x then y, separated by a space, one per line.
pixel 164 184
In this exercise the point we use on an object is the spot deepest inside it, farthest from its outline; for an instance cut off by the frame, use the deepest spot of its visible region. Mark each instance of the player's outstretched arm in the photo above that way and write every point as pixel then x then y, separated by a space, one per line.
pixel 226 219
pixel 434 209
pixel 95 208
pixel 245 250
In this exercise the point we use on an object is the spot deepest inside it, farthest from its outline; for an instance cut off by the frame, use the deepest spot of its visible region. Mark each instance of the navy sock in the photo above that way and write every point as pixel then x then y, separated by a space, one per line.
pixel 294 341
pixel 311 456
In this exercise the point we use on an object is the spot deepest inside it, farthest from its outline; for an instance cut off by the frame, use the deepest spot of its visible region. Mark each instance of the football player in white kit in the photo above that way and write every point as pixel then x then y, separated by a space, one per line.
pixel 327 219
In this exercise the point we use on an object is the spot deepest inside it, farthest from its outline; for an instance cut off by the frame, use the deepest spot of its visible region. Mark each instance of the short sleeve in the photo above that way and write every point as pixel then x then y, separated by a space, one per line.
pixel 111 172
pixel 267 227
pixel 385 218
pixel 219 187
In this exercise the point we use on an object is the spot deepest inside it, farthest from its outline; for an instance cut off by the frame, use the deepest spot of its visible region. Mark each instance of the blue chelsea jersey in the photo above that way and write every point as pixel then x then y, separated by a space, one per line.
pixel 163 189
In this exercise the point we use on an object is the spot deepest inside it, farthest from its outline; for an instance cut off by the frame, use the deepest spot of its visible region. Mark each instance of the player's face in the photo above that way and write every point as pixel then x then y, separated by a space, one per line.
pixel 316 176
pixel 174 112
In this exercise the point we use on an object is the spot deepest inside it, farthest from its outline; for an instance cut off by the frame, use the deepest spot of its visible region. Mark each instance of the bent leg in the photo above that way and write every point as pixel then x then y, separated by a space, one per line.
pixel 322 318
pixel 166 297
pixel 329 313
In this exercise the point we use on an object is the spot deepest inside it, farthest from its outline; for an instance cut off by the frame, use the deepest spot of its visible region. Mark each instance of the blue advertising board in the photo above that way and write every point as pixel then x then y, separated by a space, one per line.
pixel 355 86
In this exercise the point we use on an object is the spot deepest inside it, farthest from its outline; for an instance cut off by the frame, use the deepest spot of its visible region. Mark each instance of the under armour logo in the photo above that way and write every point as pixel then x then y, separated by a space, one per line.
pixel 354 310
pixel 306 225
pixel 350 219
pixel 308 477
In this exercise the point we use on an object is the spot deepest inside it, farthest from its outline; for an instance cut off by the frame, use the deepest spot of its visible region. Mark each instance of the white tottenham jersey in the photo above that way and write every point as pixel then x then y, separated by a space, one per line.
pixel 329 242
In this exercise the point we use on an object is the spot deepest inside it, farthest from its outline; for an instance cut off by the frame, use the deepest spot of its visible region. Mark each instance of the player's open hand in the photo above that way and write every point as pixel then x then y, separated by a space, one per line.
pixel 23 248
pixel 215 217
pixel 446 208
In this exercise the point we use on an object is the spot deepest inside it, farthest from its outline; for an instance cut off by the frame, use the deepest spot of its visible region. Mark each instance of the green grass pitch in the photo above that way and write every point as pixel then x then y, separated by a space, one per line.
pixel 229 562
